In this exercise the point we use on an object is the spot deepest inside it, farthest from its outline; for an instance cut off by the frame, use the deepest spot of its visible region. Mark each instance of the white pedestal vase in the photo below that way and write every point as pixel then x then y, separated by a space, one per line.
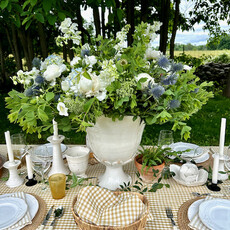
pixel 114 143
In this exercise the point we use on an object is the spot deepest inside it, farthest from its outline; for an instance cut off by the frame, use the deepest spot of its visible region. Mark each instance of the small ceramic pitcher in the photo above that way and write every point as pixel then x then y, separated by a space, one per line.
pixel 77 158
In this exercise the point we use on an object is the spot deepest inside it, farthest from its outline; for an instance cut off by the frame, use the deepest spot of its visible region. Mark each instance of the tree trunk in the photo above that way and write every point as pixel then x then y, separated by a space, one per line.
pixel 42 38
pixel 164 18
pixel 130 20
pixel 64 52
pixel 96 18
pixel 103 18
pixel 23 39
pixel 70 51
pixel 2 61
pixel 30 48
pixel 109 26
pixel 117 23
pixel 13 41
pixel 175 23
pixel 144 10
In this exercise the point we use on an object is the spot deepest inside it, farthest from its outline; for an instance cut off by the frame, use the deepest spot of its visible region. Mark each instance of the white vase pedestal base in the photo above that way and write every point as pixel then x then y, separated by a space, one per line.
pixel 113 177
pixel 221 176
pixel 14 179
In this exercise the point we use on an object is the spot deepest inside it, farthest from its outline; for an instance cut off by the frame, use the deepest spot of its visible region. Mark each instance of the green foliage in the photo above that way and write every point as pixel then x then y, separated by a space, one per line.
pixel 222 58
pixel 73 181
pixel 140 188
pixel 190 60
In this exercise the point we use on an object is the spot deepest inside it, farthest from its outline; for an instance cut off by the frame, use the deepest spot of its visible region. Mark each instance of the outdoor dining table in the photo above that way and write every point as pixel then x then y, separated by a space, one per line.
pixel 172 197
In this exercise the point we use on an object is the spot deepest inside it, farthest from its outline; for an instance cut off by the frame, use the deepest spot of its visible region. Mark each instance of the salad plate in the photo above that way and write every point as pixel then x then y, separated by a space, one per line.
pixel 32 203
pixel 194 208
pixel 195 150
pixel 49 146
pixel 215 214
pixel 15 206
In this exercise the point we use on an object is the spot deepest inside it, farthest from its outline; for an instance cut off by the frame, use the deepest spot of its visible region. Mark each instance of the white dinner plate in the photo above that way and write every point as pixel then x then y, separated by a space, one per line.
pixel 32 203
pixel 182 146
pixel 194 208
pixel 215 214
pixel 12 209
pixel 50 148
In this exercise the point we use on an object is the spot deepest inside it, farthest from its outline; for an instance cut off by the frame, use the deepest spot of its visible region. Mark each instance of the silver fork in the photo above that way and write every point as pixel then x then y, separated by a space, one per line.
pixel 170 216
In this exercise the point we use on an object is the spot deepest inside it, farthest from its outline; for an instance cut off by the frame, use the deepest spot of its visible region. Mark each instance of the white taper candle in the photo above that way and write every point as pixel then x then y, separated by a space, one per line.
pixel 9 146
pixel 215 168
pixel 29 167
pixel 222 136
pixel 55 128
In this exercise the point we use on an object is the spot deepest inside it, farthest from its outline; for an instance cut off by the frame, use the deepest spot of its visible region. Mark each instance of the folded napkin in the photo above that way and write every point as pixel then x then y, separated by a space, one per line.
pixel 196 222
pixel 101 207
pixel 26 219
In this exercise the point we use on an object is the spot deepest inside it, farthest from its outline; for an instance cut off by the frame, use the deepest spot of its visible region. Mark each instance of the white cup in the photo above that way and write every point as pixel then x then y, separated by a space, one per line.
pixel 77 158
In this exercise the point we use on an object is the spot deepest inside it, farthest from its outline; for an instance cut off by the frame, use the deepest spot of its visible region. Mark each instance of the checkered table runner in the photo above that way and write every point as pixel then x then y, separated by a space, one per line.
pixel 174 196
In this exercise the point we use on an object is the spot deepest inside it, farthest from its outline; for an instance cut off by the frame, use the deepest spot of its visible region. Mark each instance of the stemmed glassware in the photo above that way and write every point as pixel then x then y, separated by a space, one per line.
pixel 165 138
pixel 19 147
pixel 41 161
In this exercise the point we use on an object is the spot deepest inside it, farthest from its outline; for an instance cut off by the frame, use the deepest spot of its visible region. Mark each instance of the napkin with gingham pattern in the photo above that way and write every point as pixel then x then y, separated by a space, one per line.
pixel 101 207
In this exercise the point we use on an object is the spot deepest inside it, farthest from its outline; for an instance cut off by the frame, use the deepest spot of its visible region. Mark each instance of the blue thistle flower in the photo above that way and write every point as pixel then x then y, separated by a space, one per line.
pixel 36 90
pixel 29 92
pixel 56 97
pixel 85 53
pixel 156 90
pixel 173 104
pixel 175 67
pixel 39 79
pixel 163 62
pixel 170 80
pixel 36 62
pixel 195 90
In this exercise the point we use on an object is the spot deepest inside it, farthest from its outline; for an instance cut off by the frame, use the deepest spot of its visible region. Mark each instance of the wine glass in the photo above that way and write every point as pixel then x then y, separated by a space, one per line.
pixel 19 148
pixel 165 138
pixel 41 161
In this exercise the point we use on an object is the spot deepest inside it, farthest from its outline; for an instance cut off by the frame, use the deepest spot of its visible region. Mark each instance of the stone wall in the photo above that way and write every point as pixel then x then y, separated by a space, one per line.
pixel 216 72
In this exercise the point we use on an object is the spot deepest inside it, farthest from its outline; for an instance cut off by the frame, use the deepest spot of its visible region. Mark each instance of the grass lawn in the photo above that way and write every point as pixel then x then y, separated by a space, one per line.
pixel 198 53
pixel 205 126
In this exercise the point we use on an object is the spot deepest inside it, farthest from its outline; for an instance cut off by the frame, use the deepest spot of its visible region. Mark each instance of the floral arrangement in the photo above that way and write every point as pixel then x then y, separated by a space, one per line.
pixel 107 78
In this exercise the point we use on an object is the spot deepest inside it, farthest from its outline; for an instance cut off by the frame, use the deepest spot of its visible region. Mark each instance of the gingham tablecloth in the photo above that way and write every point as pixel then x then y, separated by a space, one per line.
pixel 174 196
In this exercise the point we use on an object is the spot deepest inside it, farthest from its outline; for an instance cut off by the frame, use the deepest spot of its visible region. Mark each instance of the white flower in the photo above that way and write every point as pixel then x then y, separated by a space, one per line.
pixel 63 111
pixel 85 85
pixel 186 67
pixel 75 61
pixel 64 27
pixel 65 85
pixel 152 54
pixel 90 60
pixel 54 71
pixel 145 75
pixel 85 47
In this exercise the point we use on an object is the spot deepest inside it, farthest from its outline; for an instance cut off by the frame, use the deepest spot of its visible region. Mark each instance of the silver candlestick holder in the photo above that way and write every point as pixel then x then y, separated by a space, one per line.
pixel 58 165
pixel 14 179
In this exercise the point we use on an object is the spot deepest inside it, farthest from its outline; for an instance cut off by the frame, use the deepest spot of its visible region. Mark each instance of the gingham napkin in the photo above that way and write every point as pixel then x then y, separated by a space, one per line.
pixel 196 222
pixel 101 207
pixel 26 219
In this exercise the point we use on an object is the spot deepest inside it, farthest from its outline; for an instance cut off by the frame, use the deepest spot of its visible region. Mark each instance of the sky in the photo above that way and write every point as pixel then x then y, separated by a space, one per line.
pixel 196 37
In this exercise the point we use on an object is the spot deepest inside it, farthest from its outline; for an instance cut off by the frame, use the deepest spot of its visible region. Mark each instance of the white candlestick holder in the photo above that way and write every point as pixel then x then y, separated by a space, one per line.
pixel 14 179
pixel 58 165
pixel 222 169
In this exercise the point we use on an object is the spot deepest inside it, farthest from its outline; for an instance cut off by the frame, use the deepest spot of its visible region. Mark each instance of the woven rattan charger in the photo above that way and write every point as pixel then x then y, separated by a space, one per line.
pixel 138 225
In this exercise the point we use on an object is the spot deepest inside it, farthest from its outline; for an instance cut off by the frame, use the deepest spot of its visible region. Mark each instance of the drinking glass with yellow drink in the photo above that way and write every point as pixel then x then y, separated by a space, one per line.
pixel 57 183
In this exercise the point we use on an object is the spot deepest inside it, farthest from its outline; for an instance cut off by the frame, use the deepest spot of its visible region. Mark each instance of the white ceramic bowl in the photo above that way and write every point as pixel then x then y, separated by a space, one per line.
pixel 77 158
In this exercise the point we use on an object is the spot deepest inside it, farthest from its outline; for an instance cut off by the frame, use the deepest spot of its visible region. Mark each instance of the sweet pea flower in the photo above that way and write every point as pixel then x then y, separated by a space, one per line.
pixel 63 111
pixel 65 85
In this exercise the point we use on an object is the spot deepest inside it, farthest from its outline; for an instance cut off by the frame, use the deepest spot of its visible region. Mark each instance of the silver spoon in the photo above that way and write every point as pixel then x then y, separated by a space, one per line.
pixel 58 213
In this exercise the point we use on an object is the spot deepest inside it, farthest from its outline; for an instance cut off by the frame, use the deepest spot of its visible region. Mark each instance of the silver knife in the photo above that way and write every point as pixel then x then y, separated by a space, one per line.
pixel 45 219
